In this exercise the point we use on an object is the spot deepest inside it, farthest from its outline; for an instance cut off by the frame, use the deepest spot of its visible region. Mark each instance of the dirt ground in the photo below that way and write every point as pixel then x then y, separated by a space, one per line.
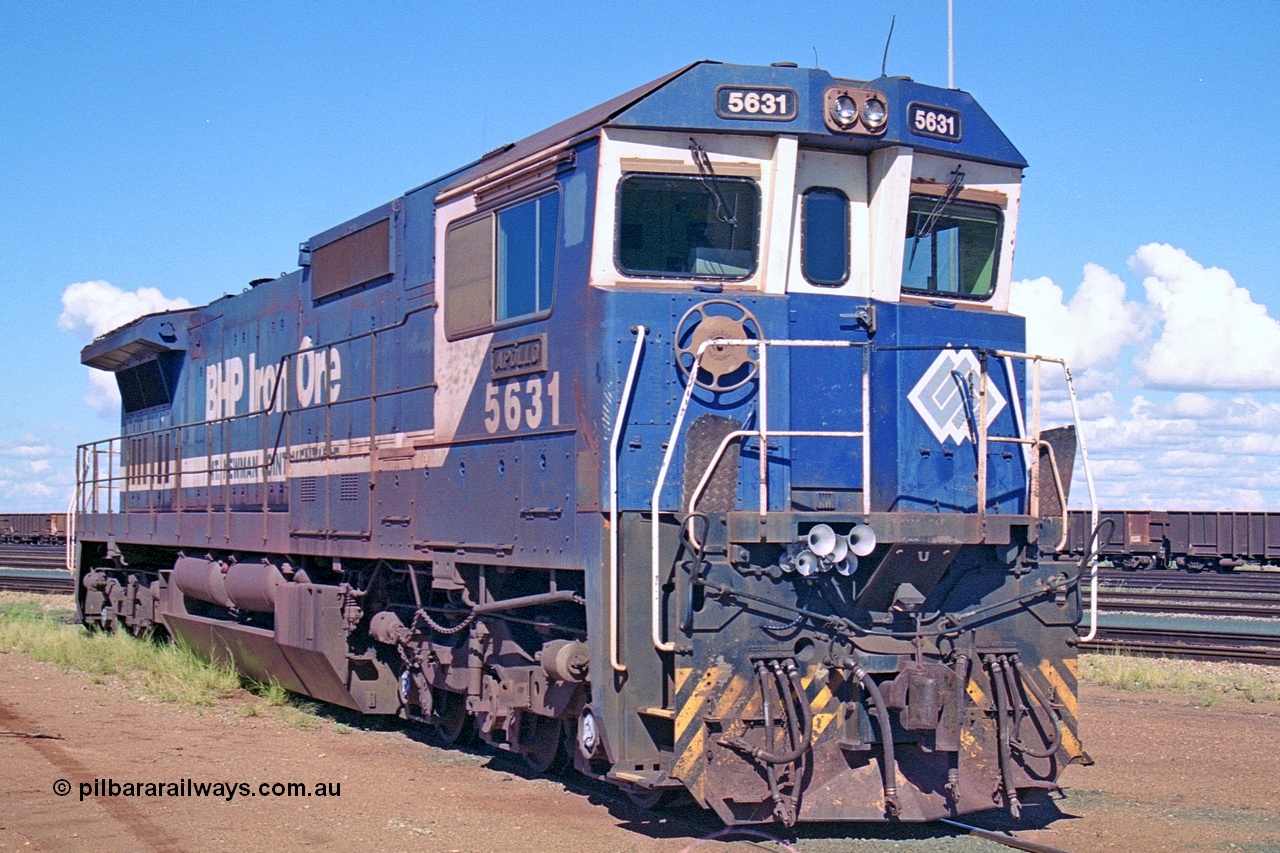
pixel 1169 776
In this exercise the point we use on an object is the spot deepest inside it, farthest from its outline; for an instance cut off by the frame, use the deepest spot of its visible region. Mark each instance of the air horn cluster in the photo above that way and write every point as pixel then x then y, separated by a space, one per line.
pixel 826 550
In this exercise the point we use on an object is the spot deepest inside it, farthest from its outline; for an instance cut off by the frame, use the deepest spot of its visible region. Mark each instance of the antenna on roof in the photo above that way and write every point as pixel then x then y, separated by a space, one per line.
pixel 885 60
pixel 951 44
pixel 815 58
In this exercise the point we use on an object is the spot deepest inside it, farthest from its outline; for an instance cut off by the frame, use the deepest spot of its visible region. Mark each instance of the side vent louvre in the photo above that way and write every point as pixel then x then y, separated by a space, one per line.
pixel 348 487
pixel 307 489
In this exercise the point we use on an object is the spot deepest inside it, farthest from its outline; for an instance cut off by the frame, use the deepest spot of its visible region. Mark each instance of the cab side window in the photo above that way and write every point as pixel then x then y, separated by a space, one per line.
pixel 527 256
pixel 500 266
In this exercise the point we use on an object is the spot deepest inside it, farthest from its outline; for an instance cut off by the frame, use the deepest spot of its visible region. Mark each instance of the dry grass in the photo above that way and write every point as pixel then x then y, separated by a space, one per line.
pixel 1209 682
pixel 171 672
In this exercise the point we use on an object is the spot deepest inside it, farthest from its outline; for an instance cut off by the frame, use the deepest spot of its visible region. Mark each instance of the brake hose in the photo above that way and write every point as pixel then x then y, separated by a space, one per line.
pixel 890 768
pixel 1002 737
pixel 1056 740
pixel 801 735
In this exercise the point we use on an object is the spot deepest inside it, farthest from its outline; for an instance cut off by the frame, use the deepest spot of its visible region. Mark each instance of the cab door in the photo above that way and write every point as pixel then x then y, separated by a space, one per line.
pixel 828 282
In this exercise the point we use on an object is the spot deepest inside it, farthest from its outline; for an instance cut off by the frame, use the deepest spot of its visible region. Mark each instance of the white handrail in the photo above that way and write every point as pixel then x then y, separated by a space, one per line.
pixel 72 508
pixel 1088 477
pixel 1093 513
pixel 762 431
pixel 614 440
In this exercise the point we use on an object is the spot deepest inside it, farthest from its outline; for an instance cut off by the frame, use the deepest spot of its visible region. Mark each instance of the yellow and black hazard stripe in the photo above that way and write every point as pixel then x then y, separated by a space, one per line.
pixel 726 694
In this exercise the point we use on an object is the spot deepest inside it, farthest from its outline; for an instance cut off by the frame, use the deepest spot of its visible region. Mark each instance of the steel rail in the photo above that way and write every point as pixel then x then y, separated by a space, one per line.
pixel 49 585
pixel 1002 838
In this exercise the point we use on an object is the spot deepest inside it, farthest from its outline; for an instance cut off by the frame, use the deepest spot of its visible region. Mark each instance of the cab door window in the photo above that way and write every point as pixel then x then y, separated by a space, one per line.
pixel 824 236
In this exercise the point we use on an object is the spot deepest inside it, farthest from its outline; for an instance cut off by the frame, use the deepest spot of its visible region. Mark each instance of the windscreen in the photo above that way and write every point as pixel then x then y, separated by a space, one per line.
pixel 951 248
pixel 672 226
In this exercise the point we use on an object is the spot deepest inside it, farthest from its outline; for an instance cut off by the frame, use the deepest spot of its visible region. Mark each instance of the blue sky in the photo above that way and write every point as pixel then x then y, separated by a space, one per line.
pixel 187 148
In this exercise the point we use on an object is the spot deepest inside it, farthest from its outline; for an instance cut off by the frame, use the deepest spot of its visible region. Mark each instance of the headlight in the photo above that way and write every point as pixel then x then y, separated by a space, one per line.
pixel 844 111
pixel 874 114
pixel 855 110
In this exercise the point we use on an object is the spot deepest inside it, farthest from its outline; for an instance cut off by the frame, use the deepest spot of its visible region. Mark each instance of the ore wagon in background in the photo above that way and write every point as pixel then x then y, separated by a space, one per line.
pixel 33 528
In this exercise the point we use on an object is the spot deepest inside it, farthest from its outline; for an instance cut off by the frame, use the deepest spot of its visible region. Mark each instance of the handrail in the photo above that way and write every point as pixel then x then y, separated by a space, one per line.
pixel 1084 460
pixel 72 508
pixel 1053 468
pixel 273 407
pixel 614 440
pixel 762 432
pixel 981 436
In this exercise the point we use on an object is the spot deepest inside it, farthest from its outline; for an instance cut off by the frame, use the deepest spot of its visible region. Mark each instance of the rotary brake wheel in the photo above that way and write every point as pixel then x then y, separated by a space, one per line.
pixel 723 366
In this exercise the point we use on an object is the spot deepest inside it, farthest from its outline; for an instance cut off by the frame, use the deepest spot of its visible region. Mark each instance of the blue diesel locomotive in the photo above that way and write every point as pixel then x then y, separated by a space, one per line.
pixel 685 440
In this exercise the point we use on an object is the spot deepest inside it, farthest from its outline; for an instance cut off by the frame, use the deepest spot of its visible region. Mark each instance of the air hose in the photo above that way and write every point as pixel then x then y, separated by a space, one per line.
pixel 794 709
pixel 891 805
pixel 998 687
pixel 1027 681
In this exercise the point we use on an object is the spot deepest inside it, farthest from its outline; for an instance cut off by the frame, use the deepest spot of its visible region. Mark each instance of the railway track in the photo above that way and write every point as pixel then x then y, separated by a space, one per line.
pixel 1230 640
pixel 34 568
pixel 1222 618
pixel 1188 602
pixel 33 557
pixel 1240 581
pixel 14 580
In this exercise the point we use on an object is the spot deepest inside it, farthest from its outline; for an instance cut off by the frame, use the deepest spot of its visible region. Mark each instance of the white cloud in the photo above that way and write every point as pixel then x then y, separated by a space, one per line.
pixel 1087 331
pixel 1191 463
pixel 1144 428
pixel 37 477
pixel 1211 332
pixel 1244 413
pixel 1252 444
pixel 1195 332
pixel 1195 406
pixel 104 395
pixel 91 308
pixel 1058 409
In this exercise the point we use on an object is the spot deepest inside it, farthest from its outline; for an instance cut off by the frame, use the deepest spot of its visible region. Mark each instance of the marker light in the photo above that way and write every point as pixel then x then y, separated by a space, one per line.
pixel 874 114
pixel 844 111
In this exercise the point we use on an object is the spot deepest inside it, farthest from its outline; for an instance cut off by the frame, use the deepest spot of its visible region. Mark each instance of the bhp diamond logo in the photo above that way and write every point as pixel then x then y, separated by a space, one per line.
pixel 940 394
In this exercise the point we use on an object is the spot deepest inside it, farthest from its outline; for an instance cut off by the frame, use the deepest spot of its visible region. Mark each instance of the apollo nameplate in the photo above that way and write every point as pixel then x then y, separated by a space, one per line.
pixel 516 358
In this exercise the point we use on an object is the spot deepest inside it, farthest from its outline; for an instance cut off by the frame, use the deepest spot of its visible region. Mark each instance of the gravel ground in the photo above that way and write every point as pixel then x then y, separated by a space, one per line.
pixel 1171 774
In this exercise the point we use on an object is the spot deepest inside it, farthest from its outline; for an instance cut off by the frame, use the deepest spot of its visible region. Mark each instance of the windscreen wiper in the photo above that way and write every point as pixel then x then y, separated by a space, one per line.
pixel 926 226
pixel 711 183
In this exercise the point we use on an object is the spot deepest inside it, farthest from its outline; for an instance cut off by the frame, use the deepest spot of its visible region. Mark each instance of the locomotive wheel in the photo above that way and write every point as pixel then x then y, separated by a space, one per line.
pixel 650 799
pixel 453 724
pixel 548 753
